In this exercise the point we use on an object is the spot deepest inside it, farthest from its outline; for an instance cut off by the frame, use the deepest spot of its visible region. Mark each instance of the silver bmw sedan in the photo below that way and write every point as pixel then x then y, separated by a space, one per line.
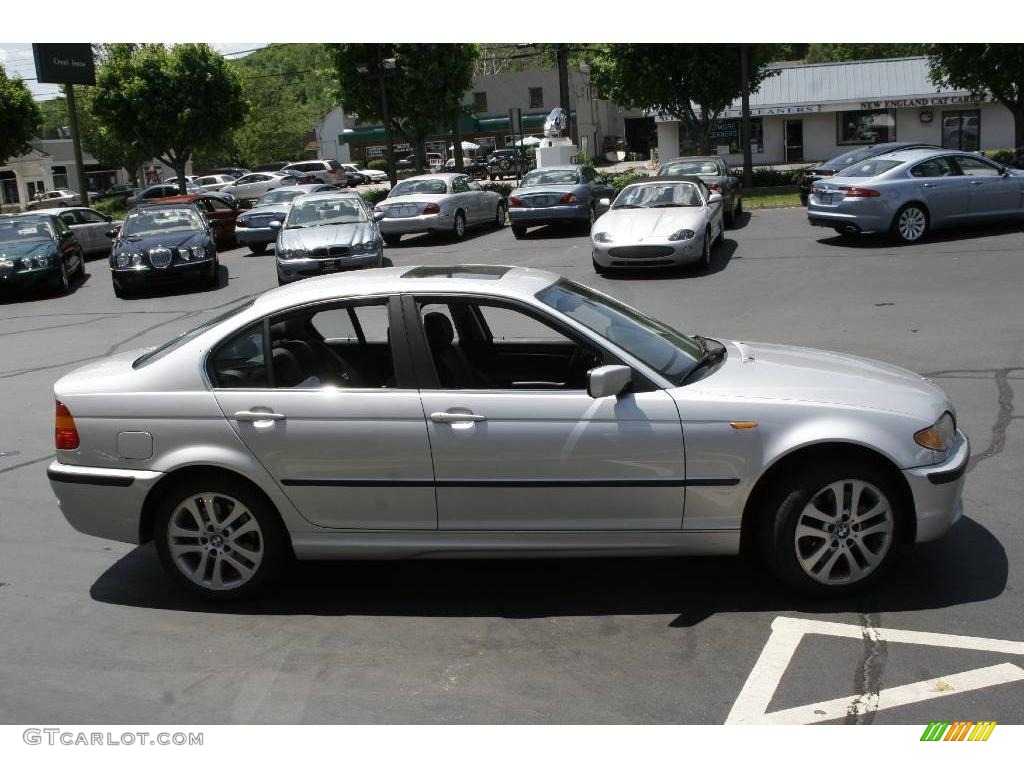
pixel 658 222
pixel 496 411
pixel 911 192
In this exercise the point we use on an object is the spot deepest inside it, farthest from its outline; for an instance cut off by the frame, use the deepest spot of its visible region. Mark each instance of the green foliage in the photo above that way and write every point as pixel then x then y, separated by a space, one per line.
pixel 20 115
pixel 1004 156
pixel 774 177
pixel 112 206
pixel 622 180
pixel 503 188
pixel 377 165
pixel 167 102
pixel 374 196
pixel 824 52
pixel 692 82
pixel 995 68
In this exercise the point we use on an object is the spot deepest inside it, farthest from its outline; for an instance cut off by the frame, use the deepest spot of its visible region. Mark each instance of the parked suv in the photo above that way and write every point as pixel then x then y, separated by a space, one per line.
pixel 507 162
pixel 324 171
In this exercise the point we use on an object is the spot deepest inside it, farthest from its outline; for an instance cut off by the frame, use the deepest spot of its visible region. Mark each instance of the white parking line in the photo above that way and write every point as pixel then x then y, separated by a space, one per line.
pixel 751 706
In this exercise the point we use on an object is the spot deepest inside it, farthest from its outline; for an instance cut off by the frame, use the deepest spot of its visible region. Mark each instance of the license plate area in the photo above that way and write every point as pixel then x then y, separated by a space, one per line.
pixel 329 265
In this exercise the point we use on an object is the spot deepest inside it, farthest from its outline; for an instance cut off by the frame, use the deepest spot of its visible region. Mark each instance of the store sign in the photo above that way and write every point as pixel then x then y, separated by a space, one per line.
pixel 803 109
pixel 64 63
pixel 928 101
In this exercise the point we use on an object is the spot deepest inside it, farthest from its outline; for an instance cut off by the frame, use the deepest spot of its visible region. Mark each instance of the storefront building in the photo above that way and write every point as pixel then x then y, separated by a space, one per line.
pixel 813 112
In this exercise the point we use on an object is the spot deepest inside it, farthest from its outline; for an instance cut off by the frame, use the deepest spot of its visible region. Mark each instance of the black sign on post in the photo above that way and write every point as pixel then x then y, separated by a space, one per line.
pixel 64 63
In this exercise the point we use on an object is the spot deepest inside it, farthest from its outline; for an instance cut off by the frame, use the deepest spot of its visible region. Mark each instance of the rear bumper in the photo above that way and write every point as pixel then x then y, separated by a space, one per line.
pixel 550 215
pixel 102 502
pixel 937 490
pixel 407 225
pixel 250 235
pixel 855 215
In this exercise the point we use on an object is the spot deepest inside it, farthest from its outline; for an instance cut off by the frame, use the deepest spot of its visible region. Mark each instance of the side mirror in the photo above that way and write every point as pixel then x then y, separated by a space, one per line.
pixel 275 224
pixel 713 198
pixel 608 380
pixel 111 233
pixel 378 215
pixel 108 219
pixel 605 202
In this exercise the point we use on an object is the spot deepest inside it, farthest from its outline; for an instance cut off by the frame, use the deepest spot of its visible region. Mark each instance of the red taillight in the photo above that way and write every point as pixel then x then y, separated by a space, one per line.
pixel 432 208
pixel 860 192
pixel 714 187
pixel 567 199
pixel 65 434
pixel 515 202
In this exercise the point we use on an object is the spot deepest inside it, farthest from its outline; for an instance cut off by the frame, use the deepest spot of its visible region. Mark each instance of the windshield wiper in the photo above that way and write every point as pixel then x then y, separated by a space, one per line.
pixel 627 205
pixel 707 356
pixel 668 205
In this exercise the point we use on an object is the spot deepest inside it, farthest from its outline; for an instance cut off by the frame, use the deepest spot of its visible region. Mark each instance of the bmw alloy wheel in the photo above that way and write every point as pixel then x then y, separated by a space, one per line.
pixel 844 532
pixel 215 541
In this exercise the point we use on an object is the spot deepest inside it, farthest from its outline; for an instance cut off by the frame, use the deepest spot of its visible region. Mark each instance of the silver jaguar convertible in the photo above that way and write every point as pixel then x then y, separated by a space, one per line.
pixel 662 221
pixel 495 411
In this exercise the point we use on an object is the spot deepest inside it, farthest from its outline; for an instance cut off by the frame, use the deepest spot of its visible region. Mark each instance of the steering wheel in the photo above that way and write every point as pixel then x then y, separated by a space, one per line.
pixel 582 360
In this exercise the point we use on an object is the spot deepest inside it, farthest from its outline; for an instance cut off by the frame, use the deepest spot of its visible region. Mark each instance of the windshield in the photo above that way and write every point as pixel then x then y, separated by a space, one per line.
pixel 279 196
pixel 318 213
pixel 691 168
pixel 539 178
pixel 176 342
pixel 666 350
pixel 851 157
pixel 159 221
pixel 419 187
pixel 870 168
pixel 24 229
pixel 671 195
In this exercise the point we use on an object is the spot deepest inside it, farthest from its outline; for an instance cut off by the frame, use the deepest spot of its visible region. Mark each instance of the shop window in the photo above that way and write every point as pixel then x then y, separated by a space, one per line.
pixel 60 177
pixel 724 132
pixel 480 101
pixel 962 130
pixel 536 98
pixel 866 126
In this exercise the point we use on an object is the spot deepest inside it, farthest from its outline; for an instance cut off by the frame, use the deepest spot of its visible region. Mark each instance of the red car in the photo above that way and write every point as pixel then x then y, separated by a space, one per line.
pixel 220 213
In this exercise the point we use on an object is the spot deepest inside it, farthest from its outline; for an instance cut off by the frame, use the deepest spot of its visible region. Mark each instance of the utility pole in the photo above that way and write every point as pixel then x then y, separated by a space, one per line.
pixel 389 148
pixel 76 143
pixel 748 170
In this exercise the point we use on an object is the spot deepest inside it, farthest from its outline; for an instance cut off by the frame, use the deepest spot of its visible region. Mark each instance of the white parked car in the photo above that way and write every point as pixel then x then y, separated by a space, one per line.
pixel 256 185
pixel 214 182
pixel 58 198
pixel 325 171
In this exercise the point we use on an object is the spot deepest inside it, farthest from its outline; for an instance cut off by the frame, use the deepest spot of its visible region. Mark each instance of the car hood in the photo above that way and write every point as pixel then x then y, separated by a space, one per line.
pixel 780 372
pixel 635 223
pixel 167 240
pixel 327 235
pixel 28 248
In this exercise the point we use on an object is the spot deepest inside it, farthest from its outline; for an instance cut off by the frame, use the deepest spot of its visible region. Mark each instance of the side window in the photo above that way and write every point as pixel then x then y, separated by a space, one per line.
pixel 68 217
pixel 214 204
pixel 91 217
pixel 459 185
pixel 507 325
pixel 239 363
pixel 247 179
pixel 937 166
pixel 475 186
pixel 973 167
pixel 343 345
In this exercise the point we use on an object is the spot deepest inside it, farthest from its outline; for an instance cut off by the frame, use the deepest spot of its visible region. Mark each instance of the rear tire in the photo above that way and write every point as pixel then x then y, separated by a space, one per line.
pixel 499 216
pixel 459 226
pixel 392 240
pixel 518 231
pixel 822 544
pixel 218 538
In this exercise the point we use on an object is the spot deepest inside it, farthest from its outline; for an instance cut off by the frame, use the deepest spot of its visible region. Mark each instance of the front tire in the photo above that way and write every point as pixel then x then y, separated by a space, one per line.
pixel 219 539
pixel 258 249
pixel 911 224
pixel 62 280
pixel 598 268
pixel 833 528
pixel 392 240
pixel 119 292
pixel 705 256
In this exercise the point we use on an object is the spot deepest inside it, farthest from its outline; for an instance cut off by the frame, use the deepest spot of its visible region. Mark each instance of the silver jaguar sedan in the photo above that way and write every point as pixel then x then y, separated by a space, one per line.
pixel 493 411
pixel 658 222
pixel 913 191
pixel 445 203
pixel 326 232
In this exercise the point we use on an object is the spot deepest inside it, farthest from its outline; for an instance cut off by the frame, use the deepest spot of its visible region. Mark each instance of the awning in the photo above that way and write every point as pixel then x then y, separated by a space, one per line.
pixel 468 124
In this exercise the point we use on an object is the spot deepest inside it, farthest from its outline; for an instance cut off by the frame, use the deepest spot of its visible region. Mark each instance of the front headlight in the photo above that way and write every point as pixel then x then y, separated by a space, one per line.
pixel 123 260
pixel 939 436
pixel 198 252
pixel 136 259
pixel 364 247
pixel 603 237
pixel 41 261
pixel 682 234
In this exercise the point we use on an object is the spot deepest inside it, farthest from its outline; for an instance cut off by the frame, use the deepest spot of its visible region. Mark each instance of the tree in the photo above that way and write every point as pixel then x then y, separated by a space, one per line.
pixel 983 68
pixel 169 102
pixel 693 83
pixel 21 117
pixel 417 102
pixel 103 144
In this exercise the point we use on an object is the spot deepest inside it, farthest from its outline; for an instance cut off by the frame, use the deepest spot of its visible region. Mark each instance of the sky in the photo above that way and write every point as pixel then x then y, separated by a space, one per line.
pixel 16 59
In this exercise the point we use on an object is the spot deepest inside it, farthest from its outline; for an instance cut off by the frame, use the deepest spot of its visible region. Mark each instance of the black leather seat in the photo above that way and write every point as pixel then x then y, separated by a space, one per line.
pixel 454 369
pixel 287 371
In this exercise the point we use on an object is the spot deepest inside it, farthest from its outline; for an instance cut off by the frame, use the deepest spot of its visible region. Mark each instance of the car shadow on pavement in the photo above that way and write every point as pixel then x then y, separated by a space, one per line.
pixel 443 238
pixel 968 565
pixel 721 255
pixel 882 240
pixel 556 232
pixel 180 288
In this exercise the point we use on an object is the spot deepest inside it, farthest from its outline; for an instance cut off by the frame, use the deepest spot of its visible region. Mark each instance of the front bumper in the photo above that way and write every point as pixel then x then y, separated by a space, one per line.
pixel 137 277
pixel 650 253
pixel 26 278
pixel 407 225
pixel 550 214
pixel 102 502
pixel 257 235
pixel 289 270
pixel 937 491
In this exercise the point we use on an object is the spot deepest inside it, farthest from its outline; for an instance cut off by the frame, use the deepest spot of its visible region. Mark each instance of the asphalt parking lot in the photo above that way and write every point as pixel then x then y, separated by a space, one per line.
pixel 92 631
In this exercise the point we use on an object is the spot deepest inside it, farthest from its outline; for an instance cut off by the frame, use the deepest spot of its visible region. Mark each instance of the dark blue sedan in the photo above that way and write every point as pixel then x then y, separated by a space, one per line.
pixel 561 194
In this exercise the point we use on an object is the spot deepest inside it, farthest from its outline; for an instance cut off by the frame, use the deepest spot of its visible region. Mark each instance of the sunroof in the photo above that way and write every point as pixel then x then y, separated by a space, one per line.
pixel 472 272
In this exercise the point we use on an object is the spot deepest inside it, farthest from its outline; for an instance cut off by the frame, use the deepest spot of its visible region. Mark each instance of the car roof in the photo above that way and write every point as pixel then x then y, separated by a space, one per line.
pixel 167 203
pixel 693 158
pixel 663 179
pixel 557 168
pixel 909 155
pixel 441 176
pixel 490 279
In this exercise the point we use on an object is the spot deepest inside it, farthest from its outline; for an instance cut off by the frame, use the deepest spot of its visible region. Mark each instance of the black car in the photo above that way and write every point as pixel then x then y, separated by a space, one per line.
pixel 38 249
pixel 475 168
pixel 507 162
pixel 158 244
pixel 845 160
pixel 122 191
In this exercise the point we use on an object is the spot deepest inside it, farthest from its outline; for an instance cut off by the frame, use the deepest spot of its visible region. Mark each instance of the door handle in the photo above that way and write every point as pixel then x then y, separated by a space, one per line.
pixel 258 416
pixel 929 186
pixel 447 417
pixel 977 182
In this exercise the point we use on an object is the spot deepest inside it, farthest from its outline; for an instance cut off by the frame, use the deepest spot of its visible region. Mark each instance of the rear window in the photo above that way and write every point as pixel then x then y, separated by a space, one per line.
pixel 335 165
pixel 175 343
pixel 870 168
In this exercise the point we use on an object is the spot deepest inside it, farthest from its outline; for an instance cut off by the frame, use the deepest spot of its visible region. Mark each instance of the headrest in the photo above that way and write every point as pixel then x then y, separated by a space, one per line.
pixel 439 330
pixel 287 371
